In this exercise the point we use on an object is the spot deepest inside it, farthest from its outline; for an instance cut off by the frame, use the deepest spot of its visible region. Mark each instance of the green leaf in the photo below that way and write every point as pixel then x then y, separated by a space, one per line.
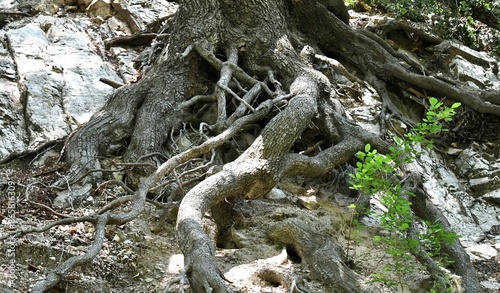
pixel 433 101
pixel 367 148
pixel 386 159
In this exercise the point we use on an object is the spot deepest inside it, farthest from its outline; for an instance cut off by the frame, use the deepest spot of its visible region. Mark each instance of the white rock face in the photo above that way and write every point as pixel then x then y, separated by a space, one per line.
pixel 13 135
pixel 469 216
pixel 493 196
pixel 483 251
pixel 59 69
pixel 50 68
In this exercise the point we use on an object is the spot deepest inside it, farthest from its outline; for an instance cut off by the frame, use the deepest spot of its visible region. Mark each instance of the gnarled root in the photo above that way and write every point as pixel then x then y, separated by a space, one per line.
pixel 324 258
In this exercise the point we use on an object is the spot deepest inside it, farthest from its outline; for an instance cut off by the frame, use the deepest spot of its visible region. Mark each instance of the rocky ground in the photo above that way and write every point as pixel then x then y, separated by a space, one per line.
pixel 52 55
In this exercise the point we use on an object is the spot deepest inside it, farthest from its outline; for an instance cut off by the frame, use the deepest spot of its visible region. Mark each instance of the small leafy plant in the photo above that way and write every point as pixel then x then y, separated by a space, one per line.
pixel 431 124
pixel 379 175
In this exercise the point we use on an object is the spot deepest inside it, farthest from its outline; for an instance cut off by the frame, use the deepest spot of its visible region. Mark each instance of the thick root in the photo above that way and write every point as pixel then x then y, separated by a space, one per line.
pixel 324 258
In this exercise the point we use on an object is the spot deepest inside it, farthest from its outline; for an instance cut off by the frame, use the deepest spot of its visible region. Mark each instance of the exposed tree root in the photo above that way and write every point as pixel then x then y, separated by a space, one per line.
pixel 324 258
pixel 252 175
pixel 279 276
pixel 412 32
pixel 258 169
pixel 57 274
pixel 181 280
pixel 39 150
pixel 246 93
pixel 426 210
pixel 106 216
pixel 373 58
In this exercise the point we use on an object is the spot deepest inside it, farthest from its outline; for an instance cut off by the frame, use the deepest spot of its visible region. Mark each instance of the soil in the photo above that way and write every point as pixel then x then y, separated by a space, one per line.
pixel 143 256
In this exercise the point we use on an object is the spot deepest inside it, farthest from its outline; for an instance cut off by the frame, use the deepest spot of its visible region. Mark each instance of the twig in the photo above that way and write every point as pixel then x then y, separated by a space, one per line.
pixel 179 182
pixel 135 165
pixel 37 150
pixel 161 205
pixel 56 275
pixel 28 187
pixel 117 182
pixel 112 83
pixel 65 221
pixel 313 148
pixel 49 209
pixel 114 203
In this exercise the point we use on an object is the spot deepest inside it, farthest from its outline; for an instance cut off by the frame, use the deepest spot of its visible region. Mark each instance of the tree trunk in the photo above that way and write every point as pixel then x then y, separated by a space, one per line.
pixel 216 49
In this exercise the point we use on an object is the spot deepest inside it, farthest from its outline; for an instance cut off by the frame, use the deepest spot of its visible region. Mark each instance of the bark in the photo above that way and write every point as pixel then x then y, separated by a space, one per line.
pixel 252 175
pixel 426 210
pixel 461 265
pixel 324 258
pixel 239 66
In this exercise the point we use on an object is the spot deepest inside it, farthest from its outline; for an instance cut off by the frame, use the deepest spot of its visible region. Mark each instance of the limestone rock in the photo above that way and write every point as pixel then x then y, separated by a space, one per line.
pixel 483 251
pixel 493 196
pixel 100 9
pixel 490 286
pixel 309 202
pixel 470 163
pixel 58 67
pixel 456 49
pixel 276 193
pixel 13 135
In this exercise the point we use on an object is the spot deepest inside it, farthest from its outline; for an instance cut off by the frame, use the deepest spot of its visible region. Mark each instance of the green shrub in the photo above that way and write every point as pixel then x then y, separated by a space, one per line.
pixel 379 175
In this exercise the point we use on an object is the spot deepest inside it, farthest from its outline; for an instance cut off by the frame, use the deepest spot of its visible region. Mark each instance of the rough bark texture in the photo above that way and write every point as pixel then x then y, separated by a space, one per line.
pixel 257 46
pixel 324 258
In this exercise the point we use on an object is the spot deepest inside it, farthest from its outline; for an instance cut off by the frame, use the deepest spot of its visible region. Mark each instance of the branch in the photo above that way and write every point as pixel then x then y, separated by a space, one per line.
pixel 49 209
pixel 38 150
pixel 55 276
pixel 66 221
pixel 112 83
pixel 462 95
